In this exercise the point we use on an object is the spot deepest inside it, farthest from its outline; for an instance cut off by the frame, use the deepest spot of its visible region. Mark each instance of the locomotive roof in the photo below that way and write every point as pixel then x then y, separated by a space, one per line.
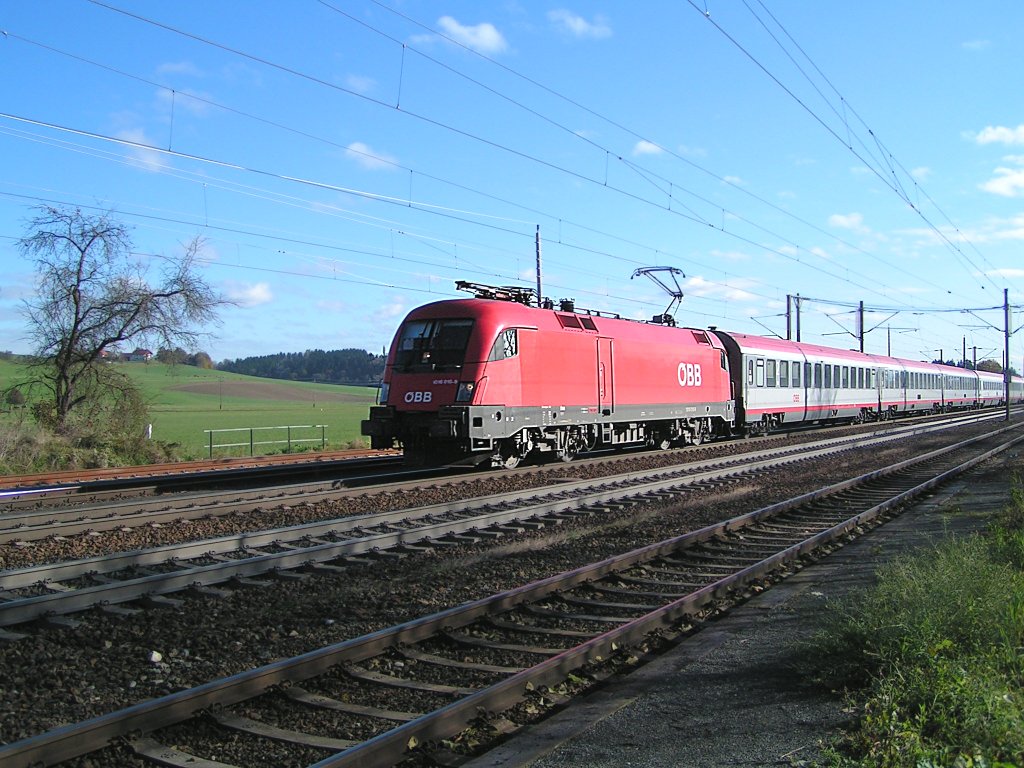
pixel 511 313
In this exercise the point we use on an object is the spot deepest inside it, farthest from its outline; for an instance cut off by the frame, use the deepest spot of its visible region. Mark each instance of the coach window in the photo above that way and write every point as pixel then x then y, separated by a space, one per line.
pixel 817 375
pixel 759 373
pixel 828 377
pixel 796 374
pixel 769 372
pixel 784 373
pixel 505 346
pixel 846 377
pixel 750 373
pixel 860 378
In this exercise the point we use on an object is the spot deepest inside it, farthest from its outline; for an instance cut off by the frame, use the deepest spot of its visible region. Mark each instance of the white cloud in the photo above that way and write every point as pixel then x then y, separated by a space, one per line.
pixel 369 158
pixel 390 310
pixel 1007 182
pixel 148 159
pixel 1012 273
pixel 921 174
pixel 999 134
pixel 733 290
pixel 646 148
pixel 483 38
pixel 975 45
pixel 360 84
pixel 195 102
pixel 335 306
pixel 688 151
pixel 851 221
pixel 180 68
pixel 248 294
pixel 577 26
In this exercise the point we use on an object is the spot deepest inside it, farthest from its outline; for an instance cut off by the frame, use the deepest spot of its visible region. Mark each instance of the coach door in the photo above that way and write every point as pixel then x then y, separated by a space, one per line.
pixel 605 377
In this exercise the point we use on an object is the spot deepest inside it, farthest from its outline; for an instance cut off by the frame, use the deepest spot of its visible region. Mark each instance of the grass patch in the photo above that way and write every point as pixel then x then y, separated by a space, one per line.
pixel 933 656
pixel 183 401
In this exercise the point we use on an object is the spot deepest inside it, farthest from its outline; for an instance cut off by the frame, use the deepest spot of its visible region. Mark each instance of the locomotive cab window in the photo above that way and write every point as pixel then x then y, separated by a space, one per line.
pixel 433 345
pixel 505 346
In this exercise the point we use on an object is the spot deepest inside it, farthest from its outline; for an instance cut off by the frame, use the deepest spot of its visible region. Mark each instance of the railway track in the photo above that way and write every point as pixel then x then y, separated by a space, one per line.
pixel 29 518
pixel 54 591
pixel 376 699
pixel 73 476
pixel 38 522
pixel 96 485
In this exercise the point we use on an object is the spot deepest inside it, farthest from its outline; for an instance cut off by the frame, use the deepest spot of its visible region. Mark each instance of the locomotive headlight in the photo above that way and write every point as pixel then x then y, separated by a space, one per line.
pixel 465 392
pixel 385 390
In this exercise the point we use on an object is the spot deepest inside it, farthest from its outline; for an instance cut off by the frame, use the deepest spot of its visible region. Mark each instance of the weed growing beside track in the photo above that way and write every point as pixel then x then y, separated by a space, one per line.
pixel 933 655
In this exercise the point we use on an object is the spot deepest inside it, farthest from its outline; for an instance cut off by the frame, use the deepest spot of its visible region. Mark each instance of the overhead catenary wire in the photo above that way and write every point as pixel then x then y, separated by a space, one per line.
pixel 805 259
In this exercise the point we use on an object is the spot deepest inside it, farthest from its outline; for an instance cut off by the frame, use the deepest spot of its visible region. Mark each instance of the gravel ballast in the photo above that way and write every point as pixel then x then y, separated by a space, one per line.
pixel 111 662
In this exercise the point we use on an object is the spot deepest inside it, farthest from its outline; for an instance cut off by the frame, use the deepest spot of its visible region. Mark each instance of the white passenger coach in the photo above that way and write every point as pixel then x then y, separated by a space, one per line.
pixel 788 383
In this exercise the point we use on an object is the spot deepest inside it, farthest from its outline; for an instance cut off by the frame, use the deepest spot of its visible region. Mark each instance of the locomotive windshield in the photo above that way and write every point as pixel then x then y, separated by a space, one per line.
pixel 432 345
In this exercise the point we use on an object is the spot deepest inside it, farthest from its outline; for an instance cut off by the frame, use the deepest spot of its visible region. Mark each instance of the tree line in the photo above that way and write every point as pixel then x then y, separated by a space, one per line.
pixel 339 366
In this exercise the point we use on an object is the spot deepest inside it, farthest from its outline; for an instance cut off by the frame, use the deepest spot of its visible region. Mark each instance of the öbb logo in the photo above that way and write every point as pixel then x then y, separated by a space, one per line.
pixel 689 375
pixel 418 397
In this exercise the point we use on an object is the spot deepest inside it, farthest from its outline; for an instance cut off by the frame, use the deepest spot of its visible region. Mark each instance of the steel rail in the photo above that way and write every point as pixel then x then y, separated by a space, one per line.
pixel 303 547
pixel 78 739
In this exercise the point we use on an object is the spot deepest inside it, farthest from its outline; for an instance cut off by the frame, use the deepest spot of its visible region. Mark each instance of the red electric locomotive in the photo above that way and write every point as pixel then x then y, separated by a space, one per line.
pixel 494 379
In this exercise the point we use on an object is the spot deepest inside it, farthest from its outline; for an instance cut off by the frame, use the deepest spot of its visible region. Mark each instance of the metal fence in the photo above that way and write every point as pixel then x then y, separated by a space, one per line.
pixel 289 439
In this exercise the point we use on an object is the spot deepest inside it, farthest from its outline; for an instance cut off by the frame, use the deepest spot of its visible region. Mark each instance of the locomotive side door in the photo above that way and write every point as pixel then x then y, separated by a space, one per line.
pixel 605 377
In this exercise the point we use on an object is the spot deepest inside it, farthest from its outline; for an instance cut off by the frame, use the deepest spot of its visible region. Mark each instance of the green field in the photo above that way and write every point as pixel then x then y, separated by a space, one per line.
pixel 184 401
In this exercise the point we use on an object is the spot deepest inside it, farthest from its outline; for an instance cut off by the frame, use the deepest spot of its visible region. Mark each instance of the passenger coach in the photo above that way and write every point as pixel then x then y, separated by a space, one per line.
pixel 788 383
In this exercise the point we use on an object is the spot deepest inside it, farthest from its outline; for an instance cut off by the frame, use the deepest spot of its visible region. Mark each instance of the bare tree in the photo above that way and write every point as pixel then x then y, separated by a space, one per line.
pixel 93 294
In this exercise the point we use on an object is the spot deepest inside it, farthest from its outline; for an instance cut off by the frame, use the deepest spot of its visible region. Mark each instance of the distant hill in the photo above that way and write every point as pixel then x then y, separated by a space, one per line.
pixel 339 366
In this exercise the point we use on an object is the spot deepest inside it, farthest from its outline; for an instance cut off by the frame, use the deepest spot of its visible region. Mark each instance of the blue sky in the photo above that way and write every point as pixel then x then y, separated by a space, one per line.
pixel 348 161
